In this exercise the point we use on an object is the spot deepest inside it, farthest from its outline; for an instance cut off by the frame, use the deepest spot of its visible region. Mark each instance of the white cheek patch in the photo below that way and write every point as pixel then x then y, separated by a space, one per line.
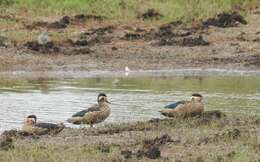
pixel 196 98
pixel 100 98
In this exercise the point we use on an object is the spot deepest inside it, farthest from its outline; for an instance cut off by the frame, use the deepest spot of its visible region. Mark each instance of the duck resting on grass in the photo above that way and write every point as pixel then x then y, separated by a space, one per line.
pixel 31 126
pixel 95 114
pixel 184 108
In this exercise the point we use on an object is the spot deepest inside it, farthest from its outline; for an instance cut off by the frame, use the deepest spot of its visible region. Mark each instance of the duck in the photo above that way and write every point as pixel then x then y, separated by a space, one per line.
pixel 31 126
pixel 94 114
pixel 184 108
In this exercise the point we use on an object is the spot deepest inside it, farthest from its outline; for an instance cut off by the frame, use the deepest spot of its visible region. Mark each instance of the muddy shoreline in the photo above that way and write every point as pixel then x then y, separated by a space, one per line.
pixel 114 74
pixel 227 41
pixel 219 136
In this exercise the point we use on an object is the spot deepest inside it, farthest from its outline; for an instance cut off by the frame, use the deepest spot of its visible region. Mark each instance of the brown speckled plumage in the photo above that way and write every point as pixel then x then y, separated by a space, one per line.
pixel 31 126
pixel 95 114
pixel 195 106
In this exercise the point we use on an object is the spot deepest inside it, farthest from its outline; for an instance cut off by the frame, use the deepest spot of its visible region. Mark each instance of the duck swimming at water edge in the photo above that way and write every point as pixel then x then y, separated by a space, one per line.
pixel 95 114
pixel 31 126
pixel 184 108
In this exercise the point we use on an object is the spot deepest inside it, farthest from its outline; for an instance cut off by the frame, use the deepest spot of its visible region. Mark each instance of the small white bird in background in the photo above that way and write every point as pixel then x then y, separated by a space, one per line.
pixel 127 71
pixel 43 38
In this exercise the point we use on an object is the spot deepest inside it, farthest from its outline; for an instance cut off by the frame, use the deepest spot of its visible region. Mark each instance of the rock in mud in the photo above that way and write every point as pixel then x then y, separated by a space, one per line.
pixel 151 14
pixel 49 47
pixel 225 19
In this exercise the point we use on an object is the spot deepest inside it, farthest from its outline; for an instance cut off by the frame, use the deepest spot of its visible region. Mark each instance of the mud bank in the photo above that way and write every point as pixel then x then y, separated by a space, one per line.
pixel 141 73
pixel 227 41
pixel 191 139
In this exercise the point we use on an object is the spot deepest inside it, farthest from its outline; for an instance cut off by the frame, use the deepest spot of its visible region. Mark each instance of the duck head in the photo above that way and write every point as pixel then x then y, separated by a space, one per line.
pixel 31 120
pixel 102 98
pixel 196 97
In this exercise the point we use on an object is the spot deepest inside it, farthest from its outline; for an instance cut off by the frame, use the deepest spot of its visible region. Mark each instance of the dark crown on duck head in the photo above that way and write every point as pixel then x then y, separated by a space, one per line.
pixel 101 95
pixel 197 95
pixel 32 116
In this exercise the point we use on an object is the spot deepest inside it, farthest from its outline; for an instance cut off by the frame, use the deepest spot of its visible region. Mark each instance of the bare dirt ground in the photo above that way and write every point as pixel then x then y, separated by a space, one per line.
pixel 87 43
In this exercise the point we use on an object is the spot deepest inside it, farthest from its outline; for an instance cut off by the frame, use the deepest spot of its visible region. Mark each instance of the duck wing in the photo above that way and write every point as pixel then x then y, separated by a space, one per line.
pixel 174 105
pixel 83 112
pixel 47 125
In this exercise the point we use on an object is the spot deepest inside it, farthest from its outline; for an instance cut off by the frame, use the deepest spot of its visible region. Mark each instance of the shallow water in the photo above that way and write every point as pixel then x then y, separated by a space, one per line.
pixel 133 98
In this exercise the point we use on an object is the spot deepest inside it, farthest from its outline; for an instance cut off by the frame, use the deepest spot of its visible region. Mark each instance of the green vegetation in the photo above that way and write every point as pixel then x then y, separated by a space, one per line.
pixel 126 9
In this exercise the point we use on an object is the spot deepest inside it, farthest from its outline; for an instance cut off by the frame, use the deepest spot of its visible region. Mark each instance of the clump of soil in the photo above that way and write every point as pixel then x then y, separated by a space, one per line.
pixel 6 143
pixel 49 47
pixel 151 14
pixel 94 36
pixel 62 23
pixel 171 35
pixel 132 36
pixel 149 148
pixel 186 41
pixel 226 20
pixel 82 18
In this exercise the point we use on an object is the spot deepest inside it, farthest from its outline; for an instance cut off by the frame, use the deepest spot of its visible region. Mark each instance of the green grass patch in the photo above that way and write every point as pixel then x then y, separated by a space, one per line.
pixel 125 10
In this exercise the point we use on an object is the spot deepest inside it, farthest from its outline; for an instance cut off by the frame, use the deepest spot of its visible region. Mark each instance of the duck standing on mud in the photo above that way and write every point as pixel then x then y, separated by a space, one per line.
pixel 31 126
pixel 95 114
pixel 184 108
